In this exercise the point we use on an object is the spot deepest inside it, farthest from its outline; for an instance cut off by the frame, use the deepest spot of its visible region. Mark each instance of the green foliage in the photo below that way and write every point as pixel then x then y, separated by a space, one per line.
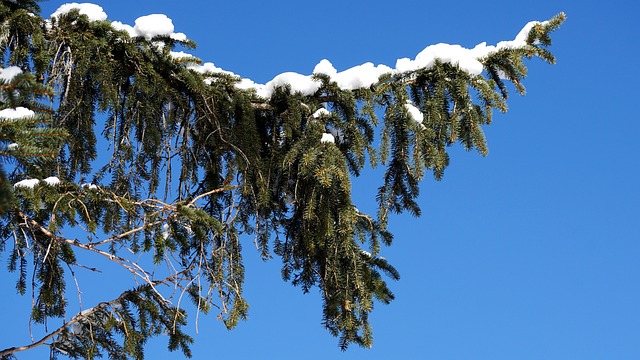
pixel 136 316
pixel 193 162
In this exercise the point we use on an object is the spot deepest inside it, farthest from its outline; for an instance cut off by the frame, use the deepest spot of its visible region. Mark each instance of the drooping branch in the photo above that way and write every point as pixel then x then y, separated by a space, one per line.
pixel 5 353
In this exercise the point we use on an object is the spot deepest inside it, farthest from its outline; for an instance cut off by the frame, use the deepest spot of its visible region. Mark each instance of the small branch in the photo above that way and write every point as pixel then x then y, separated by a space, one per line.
pixel 225 188
pixel 12 350
pixel 131 266
pixel 123 235
pixel 49 336
pixel 85 314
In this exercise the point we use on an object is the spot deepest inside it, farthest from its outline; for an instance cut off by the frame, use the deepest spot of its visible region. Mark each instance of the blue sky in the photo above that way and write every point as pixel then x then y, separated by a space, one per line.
pixel 529 253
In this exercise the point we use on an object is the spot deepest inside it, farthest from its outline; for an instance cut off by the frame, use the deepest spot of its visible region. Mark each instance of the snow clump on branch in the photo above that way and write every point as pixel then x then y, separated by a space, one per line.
pixel 94 12
pixel 29 183
pixel 327 138
pixel 147 26
pixel 357 77
pixel 367 74
pixel 320 112
pixel 17 113
pixel 415 113
pixel 9 73
pixel 52 181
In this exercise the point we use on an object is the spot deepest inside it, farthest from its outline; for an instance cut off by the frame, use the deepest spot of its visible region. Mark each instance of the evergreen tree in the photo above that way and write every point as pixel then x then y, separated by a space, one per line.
pixel 195 158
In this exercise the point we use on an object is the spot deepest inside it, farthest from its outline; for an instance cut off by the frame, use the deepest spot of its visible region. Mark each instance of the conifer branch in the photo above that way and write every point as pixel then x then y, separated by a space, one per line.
pixel 131 266
pixel 85 314
pixel 247 163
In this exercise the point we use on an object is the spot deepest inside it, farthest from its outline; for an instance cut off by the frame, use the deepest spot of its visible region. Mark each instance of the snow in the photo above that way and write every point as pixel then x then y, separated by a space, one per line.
pixel 357 77
pixel 150 26
pixel 180 55
pixel 298 82
pixel 17 113
pixel 86 311
pixel 94 12
pixel 466 59
pixel 327 138
pixel 29 183
pixel 209 67
pixel 52 181
pixel 367 74
pixel 89 186
pixel 165 231
pixel 415 113
pixel 361 76
pixel 153 25
pixel 9 73
pixel 325 67
pixel 178 36
pixel 261 90
pixel 124 27
pixel 320 112
pixel 521 38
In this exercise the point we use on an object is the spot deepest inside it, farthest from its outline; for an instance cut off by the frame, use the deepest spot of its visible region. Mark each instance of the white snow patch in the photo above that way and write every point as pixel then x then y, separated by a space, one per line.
pixel 298 82
pixel 17 113
pixel 165 231
pixel 361 76
pixel 178 36
pixel 180 55
pixel 211 68
pixel 29 183
pixel 126 27
pixel 320 112
pixel 357 77
pixel 325 67
pixel 9 73
pixel 327 138
pixel 260 89
pixel 521 38
pixel 149 26
pixel 52 180
pixel 466 59
pixel 153 25
pixel 86 311
pixel 415 113
pixel 94 12
pixel 89 186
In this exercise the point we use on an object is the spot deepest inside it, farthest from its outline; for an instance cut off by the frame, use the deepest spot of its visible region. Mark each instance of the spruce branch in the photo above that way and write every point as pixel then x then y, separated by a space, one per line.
pixel 87 313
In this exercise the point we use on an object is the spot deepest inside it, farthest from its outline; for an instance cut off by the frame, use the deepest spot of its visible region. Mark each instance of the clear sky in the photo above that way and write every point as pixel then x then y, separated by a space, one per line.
pixel 530 253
